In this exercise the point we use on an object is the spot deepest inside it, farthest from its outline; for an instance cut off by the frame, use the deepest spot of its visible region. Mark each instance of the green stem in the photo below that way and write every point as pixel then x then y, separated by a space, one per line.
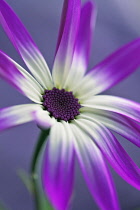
pixel 42 139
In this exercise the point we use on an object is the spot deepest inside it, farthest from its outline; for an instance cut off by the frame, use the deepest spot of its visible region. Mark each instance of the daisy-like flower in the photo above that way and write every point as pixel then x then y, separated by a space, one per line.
pixel 67 103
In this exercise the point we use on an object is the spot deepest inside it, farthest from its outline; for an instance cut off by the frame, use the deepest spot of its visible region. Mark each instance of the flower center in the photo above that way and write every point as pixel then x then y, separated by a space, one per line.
pixel 61 104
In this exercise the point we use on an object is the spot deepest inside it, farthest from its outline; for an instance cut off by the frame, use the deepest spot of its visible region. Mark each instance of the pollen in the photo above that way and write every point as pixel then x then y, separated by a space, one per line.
pixel 61 104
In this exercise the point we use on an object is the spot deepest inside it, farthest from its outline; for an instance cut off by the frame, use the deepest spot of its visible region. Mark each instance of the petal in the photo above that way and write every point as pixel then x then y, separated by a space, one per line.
pixel 16 115
pixel 25 45
pixel 19 78
pixel 95 171
pixel 85 35
pixel 115 104
pixel 58 167
pixel 113 151
pixel 116 122
pixel 43 119
pixel 112 70
pixel 83 44
pixel 66 41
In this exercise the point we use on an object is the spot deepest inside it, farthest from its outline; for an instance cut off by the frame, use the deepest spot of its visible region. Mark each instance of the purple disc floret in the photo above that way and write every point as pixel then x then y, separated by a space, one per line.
pixel 61 104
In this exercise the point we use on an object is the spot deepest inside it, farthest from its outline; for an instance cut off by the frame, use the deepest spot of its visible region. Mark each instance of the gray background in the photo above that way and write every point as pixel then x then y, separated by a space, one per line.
pixel 118 22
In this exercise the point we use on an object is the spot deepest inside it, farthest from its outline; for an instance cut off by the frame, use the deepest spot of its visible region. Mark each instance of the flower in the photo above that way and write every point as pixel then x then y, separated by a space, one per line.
pixel 68 103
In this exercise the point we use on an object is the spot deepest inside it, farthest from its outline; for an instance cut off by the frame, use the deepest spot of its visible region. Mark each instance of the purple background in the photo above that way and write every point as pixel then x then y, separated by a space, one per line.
pixel 117 23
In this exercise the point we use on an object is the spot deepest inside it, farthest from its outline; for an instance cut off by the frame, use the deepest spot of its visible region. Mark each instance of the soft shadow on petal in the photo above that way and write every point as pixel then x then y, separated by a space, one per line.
pixel 19 78
pixel 113 151
pixel 119 105
pixel 95 171
pixel 25 45
pixel 122 125
pixel 58 167
pixel 66 41
pixel 16 115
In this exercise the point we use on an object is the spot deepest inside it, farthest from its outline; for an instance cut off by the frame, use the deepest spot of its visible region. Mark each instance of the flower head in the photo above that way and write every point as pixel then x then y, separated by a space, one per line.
pixel 68 104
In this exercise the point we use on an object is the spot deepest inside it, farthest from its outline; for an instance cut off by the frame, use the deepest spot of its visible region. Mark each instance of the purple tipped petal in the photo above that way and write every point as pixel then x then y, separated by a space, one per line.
pixel 83 44
pixel 115 104
pixel 58 168
pixel 24 45
pixel 116 122
pixel 95 171
pixel 85 34
pixel 116 67
pixel 113 151
pixel 9 72
pixel 66 40
pixel 110 71
pixel 19 78
pixel 16 115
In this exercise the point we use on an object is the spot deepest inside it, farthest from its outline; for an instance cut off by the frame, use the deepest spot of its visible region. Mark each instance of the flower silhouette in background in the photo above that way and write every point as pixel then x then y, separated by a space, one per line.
pixel 67 103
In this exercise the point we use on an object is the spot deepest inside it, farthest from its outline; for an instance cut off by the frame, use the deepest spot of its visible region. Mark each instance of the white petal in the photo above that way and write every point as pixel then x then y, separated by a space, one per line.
pixel 43 119
pixel 122 125
pixel 58 167
pixel 16 115
pixel 119 105
pixel 95 170
pixel 19 78
pixel 112 150
pixel 25 45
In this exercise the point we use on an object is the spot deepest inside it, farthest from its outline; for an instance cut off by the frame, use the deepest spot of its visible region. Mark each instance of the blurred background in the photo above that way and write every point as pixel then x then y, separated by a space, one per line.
pixel 118 22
